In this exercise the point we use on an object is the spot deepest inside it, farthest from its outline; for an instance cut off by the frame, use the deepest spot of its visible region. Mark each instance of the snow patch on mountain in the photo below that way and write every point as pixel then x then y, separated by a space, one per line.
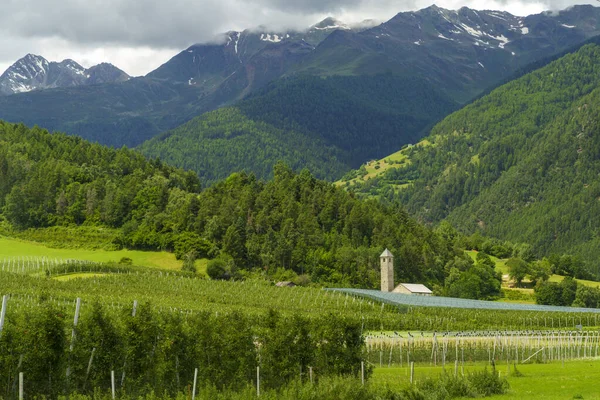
pixel 319 28
pixel 267 37
pixel 471 31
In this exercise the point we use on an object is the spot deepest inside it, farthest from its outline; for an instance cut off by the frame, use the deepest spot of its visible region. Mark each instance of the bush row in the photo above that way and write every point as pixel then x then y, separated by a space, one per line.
pixel 151 352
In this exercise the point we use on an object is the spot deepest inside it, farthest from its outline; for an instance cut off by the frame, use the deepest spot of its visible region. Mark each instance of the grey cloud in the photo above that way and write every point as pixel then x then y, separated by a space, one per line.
pixel 314 6
pixel 162 23
pixel 155 22
pixel 176 23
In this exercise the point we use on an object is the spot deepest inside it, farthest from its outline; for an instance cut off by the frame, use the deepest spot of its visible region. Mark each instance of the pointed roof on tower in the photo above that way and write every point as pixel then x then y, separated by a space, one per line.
pixel 386 253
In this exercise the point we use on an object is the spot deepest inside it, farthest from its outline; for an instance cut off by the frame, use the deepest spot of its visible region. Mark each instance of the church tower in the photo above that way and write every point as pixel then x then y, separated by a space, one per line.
pixel 387 271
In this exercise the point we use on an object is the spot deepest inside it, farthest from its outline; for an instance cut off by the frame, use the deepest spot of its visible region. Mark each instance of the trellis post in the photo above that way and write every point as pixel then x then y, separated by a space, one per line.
pixel 258 381
pixel 195 381
pixel 362 372
pixel 3 312
pixel 20 386
pixel 112 383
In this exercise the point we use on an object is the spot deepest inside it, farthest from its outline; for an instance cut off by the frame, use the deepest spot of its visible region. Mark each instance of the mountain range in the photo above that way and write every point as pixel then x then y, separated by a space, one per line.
pixel 454 55
pixel 34 72
pixel 462 51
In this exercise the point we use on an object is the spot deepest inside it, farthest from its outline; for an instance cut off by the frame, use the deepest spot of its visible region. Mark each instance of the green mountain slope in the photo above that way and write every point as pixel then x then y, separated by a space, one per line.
pixel 293 222
pixel 53 179
pixel 328 125
pixel 114 114
pixel 519 164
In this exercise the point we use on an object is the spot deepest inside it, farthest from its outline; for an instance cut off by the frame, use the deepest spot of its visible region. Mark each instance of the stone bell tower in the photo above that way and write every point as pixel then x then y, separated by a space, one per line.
pixel 387 271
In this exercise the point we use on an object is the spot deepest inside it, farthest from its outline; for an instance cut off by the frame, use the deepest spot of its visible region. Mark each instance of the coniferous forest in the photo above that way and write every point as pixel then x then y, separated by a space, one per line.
pixel 327 125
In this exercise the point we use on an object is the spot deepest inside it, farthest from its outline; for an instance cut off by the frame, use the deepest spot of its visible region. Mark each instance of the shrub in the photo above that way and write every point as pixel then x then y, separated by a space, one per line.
pixel 189 260
pixel 187 242
pixel 126 261
pixel 487 383
pixel 446 387
pixel 478 384
pixel 302 280
pixel 217 269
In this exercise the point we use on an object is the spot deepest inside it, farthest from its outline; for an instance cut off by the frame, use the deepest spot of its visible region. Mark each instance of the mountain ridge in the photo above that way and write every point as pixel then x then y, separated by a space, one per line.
pixel 463 50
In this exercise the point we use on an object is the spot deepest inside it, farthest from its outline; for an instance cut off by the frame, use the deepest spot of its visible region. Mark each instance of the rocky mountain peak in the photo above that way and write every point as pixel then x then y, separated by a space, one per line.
pixel 33 72
pixel 330 23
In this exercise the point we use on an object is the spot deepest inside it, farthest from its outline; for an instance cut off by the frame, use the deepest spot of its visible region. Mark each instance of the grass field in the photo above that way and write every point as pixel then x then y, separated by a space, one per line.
pixel 159 259
pixel 500 263
pixel 377 167
pixel 574 379
pixel 559 278
pixel 83 275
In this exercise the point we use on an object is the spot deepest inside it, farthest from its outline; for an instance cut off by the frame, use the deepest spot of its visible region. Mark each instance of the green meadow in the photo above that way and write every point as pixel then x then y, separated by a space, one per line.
pixel 154 259
pixel 571 380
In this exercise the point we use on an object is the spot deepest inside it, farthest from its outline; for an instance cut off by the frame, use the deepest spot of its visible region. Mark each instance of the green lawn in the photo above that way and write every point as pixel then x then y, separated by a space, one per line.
pixel 539 381
pixel 19 248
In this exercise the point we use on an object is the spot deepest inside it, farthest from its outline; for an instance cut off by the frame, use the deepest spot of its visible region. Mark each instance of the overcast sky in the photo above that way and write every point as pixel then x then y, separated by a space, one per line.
pixel 139 35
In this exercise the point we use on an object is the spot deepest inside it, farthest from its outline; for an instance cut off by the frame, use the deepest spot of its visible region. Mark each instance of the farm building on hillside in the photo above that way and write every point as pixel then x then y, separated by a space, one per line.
pixel 387 278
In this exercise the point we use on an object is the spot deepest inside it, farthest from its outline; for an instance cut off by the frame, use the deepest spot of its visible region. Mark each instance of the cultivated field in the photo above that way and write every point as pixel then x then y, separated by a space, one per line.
pixel 549 348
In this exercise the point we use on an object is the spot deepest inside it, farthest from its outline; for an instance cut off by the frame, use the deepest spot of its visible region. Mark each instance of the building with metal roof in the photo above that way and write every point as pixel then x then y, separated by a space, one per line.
pixel 413 288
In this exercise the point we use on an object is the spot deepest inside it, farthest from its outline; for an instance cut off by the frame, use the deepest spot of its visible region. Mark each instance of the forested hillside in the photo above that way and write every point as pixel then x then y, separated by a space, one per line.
pixel 114 114
pixel 293 222
pixel 328 125
pixel 519 164
pixel 55 179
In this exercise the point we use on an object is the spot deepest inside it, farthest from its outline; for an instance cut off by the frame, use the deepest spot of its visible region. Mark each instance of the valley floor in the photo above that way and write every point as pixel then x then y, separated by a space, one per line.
pixel 571 380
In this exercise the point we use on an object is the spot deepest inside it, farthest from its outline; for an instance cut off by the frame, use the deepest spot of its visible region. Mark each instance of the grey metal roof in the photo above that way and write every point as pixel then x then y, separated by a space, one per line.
pixel 416 288
pixel 386 253
pixel 436 301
